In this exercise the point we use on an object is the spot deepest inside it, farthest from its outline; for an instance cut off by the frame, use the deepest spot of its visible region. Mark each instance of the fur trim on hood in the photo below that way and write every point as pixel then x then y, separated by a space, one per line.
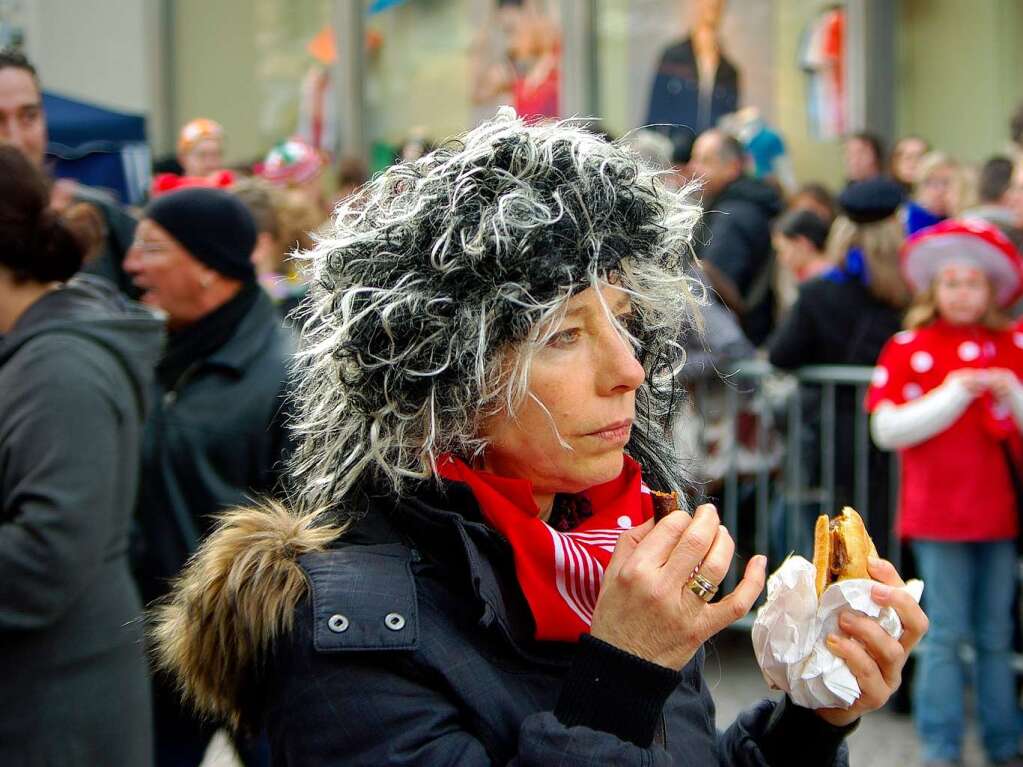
pixel 234 597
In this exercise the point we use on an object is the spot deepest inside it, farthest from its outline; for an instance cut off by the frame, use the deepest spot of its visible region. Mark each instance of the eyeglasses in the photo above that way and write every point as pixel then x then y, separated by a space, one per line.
pixel 144 248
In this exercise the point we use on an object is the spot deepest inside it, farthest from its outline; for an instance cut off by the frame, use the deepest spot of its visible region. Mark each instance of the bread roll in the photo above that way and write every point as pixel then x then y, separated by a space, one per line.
pixel 841 547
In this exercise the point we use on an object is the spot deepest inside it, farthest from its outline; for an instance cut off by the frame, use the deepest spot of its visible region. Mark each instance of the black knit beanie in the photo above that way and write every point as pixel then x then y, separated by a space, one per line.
pixel 875 199
pixel 214 226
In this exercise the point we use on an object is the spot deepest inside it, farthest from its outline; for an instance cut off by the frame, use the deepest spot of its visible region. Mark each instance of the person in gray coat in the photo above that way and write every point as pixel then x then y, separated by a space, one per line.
pixel 76 362
pixel 470 570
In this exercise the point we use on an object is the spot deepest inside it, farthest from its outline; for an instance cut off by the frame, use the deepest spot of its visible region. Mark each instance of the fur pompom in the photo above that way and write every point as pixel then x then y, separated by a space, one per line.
pixel 237 593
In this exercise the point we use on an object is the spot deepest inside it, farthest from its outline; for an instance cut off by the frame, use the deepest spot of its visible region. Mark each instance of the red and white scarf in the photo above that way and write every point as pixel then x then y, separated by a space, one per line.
pixel 560 573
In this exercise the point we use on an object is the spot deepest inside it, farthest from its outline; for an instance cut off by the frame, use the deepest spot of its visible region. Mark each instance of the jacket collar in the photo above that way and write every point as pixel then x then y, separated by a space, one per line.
pixel 444 525
pixel 253 334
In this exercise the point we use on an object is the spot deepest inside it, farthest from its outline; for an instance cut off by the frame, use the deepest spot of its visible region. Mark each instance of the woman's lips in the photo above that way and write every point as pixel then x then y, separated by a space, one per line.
pixel 615 433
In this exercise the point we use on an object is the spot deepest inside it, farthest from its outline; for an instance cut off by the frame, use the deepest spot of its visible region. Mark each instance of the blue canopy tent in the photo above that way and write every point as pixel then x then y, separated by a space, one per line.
pixel 98 147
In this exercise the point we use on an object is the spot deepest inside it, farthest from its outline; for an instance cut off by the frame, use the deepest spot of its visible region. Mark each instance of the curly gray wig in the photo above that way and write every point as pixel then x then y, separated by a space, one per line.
pixel 437 284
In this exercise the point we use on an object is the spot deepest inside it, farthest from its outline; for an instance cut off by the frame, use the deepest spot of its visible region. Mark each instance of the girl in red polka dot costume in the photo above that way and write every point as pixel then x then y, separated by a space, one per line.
pixel 946 394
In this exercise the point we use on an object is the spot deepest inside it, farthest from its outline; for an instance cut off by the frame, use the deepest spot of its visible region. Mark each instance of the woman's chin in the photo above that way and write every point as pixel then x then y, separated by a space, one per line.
pixel 599 470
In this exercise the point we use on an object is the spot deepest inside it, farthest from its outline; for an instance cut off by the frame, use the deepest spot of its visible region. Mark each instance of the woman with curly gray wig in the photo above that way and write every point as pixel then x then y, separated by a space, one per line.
pixel 469 569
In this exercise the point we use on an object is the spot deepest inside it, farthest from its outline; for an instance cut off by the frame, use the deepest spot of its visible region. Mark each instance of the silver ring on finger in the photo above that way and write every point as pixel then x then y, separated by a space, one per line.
pixel 702 587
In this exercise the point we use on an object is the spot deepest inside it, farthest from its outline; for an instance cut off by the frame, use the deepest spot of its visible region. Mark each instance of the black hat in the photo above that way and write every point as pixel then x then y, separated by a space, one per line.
pixel 865 202
pixel 214 226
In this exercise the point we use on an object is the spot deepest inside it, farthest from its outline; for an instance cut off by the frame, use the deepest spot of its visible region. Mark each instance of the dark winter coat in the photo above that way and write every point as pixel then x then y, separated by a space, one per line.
pixel 214 440
pixel 409 642
pixel 837 321
pixel 735 236
pixel 75 375
pixel 675 107
pixel 834 322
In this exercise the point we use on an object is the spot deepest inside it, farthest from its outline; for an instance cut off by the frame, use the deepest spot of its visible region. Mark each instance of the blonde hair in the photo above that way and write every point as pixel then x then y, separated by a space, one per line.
pixel 963 185
pixel 880 242
pixel 924 310
pixel 298 220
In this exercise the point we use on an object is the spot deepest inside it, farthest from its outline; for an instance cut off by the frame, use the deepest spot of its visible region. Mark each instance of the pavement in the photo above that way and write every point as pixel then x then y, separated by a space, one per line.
pixel 883 739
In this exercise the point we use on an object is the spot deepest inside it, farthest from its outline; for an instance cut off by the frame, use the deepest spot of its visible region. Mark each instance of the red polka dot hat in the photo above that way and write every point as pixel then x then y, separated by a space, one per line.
pixel 971 242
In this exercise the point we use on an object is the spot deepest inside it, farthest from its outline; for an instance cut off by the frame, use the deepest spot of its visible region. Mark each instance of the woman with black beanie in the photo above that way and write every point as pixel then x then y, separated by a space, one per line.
pixel 76 362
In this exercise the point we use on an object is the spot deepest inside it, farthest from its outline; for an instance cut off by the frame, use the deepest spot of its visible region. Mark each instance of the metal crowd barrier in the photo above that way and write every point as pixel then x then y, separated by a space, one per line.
pixel 771 447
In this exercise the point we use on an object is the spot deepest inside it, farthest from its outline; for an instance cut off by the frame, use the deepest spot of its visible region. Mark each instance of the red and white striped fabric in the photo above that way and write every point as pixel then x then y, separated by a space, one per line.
pixel 560 573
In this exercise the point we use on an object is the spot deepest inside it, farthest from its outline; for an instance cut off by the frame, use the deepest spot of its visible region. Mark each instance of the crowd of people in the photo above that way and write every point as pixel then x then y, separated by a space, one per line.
pixel 445 382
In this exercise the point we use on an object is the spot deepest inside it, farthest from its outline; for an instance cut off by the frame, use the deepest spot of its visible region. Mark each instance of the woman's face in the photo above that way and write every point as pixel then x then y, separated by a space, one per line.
pixel 794 253
pixel 962 294
pixel 206 157
pixel 907 156
pixel 936 192
pixel 586 377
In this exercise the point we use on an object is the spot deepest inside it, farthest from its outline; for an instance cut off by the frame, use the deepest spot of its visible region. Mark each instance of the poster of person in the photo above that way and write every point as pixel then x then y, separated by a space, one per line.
pixel 515 57
pixel 703 59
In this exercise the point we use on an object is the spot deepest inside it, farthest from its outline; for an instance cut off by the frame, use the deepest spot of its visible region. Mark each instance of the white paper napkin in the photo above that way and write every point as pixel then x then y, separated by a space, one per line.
pixel 790 632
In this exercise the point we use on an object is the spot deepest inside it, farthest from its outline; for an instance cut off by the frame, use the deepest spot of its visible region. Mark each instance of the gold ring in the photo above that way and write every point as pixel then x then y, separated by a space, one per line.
pixel 703 588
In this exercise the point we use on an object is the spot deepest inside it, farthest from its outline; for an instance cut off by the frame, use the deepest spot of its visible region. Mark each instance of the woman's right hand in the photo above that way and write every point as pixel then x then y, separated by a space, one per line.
pixel 646 607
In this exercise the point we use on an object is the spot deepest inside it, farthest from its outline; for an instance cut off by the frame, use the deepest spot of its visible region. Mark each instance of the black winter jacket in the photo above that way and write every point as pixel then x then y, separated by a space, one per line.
pixel 735 236
pixel 462 681
pixel 215 440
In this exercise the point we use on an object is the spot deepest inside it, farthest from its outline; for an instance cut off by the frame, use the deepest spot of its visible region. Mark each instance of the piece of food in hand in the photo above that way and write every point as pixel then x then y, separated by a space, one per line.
pixel 664 504
pixel 841 547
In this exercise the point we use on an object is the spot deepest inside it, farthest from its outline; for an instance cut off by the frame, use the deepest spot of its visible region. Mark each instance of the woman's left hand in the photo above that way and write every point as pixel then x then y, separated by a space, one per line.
pixel 874 657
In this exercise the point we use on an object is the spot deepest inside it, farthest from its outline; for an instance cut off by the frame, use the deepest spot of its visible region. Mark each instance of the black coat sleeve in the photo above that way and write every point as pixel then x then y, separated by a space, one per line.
pixel 396 716
pixel 61 455
pixel 728 248
pixel 794 342
pixel 780 734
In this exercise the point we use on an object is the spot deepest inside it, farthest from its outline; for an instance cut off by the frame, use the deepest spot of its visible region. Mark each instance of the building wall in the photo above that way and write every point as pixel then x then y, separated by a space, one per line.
pixel 960 74
pixel 214 66
pixel 419 78
pixel 102 51
pixel 812 159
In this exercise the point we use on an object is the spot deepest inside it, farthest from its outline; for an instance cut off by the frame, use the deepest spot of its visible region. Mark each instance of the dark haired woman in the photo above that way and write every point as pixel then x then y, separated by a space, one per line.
pixel 75 362
pixel 471 573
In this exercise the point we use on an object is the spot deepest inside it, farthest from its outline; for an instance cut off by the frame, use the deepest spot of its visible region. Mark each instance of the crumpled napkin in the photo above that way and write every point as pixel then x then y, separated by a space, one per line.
pixel 790 630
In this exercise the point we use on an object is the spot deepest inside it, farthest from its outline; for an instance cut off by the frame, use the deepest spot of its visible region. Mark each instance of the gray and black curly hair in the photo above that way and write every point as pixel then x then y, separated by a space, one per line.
pixel 439 281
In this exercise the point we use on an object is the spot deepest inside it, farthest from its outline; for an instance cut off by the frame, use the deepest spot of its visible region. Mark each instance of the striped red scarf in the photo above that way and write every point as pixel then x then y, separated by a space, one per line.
pixel 560 573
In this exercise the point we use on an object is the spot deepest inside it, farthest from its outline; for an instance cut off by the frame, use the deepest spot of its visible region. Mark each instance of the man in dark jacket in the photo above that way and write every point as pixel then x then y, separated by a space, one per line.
pixel 216 436
pixel 734 246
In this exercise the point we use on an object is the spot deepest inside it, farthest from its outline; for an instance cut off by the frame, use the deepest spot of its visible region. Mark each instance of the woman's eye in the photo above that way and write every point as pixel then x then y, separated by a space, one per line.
pixel 564 337
pixel 630 322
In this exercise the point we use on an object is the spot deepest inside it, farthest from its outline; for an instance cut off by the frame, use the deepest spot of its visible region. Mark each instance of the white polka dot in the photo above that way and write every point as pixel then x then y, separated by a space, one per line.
pixel 1017 338
pixel 921 362
pixel 624 522
pixel 880 376
pixel 968 351
pixel 906 337
pixel 912 391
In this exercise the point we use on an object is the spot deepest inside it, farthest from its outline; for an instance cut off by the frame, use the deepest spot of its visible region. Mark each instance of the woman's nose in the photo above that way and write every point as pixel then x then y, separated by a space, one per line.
pixel 621 370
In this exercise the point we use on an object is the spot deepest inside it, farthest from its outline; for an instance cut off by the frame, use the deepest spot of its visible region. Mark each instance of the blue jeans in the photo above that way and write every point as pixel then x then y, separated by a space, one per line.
pixel 968 598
